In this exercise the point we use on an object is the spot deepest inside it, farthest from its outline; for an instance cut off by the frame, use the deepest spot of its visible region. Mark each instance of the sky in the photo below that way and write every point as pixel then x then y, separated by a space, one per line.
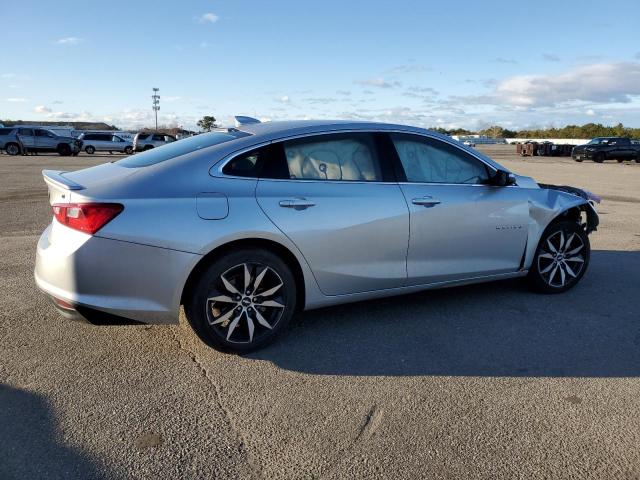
pixel 463 64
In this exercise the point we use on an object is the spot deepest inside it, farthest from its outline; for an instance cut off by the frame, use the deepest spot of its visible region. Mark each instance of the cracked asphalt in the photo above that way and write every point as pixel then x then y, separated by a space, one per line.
pixel 488 381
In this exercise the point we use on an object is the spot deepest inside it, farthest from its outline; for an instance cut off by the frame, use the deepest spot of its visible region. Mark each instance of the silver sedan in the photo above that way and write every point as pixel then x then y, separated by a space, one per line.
pixel 245 227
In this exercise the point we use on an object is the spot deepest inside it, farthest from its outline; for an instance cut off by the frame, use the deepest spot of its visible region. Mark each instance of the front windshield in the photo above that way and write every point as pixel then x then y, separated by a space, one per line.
pixel 595 141
pixel 179 147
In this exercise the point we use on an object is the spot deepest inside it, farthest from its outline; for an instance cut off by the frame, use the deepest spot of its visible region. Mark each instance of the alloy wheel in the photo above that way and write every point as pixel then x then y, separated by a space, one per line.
pixel 561 258
pixel 246 302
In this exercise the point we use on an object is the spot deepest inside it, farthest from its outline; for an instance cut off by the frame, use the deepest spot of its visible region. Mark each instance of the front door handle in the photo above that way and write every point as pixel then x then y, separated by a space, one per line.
pixel 297 203
pixel 426 201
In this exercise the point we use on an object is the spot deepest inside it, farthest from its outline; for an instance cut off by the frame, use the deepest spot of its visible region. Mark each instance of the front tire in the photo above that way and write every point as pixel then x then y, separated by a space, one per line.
pixel 64 150
pixel 599 157
pixel 242 300
pixel 561 259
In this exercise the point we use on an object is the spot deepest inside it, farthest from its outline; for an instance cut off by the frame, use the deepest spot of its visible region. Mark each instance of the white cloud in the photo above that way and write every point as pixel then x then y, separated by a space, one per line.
pixel 171 99
pixel 16 99
pixel 68 41
pixel 8 75
pixel 42 109
pixel 603 83
pixel 284 99
pixel 590 111
pixel 377 82
pixel 208 18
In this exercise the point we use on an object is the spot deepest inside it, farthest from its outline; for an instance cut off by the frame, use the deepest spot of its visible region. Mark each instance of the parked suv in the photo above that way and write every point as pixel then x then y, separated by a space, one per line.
pixel 607 148
pixel 147 140
pixel 36 139
pixel 105 142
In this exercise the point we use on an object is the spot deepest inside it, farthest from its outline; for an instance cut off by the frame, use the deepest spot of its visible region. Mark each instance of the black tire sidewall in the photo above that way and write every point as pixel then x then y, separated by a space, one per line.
pixel 90 150
pixel 17 147
pixel 535 277
pixel 195 306
pixel 64 150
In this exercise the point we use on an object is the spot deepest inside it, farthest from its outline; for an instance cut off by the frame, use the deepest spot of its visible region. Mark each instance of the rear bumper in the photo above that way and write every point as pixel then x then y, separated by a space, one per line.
pixel 96 277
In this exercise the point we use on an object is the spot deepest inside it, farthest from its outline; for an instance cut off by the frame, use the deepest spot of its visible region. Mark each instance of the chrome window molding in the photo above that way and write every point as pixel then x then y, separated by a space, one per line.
pixel 216 168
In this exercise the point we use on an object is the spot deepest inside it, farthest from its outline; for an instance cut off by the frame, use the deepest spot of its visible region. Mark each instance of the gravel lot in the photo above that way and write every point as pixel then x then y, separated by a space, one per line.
pixel 488 381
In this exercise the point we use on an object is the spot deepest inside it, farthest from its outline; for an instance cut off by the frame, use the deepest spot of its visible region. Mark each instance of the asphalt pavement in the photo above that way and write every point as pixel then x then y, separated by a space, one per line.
pixel 487 381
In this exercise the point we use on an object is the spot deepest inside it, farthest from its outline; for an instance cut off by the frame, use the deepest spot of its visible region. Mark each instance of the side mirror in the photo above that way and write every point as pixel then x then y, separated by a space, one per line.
pixel 503 179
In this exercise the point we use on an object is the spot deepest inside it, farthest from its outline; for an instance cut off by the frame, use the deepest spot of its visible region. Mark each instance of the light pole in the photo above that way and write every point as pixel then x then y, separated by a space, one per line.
pixel 156 103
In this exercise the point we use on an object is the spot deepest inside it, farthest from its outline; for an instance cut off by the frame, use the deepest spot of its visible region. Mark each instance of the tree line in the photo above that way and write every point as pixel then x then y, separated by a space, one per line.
pixel 589 130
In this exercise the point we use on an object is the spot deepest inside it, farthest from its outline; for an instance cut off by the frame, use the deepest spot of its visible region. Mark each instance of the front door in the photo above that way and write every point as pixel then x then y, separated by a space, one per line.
pixel 460 226
pixel 46 141
pixel 337 203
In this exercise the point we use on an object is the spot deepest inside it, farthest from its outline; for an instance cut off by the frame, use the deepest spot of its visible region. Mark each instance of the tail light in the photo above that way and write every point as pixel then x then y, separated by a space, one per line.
pixel 86 217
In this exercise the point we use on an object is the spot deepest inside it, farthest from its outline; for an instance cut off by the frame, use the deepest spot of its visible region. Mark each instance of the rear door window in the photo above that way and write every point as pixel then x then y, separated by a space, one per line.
pixel 334 157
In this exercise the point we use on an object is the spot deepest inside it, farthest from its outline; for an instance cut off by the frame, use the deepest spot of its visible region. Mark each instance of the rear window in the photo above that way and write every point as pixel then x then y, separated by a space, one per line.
pixel 180 147
pixel 143 136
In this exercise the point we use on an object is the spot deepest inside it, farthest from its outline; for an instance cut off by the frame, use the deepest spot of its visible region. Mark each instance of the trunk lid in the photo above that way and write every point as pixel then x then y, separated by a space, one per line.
pixel 65 187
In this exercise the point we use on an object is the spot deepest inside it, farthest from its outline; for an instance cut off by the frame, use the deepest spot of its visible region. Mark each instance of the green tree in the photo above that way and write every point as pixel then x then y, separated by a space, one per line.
pixel 207 123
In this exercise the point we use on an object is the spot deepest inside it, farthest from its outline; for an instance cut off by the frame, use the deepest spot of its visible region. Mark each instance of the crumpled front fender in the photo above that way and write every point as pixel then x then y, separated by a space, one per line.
pixel 548 204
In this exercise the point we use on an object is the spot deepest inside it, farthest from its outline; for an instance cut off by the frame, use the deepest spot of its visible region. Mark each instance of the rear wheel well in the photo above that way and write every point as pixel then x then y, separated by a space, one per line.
pixel 274 247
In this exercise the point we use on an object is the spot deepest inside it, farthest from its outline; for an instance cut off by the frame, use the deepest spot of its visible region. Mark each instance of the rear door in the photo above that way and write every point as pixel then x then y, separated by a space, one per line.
pixel 27 137
pixel 335 197
pixel 104 142
pixel 461 227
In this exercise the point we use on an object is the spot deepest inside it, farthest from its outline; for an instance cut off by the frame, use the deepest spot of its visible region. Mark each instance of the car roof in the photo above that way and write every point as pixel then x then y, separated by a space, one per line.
pixel 287 128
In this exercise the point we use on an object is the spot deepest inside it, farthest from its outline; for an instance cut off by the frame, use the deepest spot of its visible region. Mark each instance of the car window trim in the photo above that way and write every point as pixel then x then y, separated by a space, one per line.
pixel 216 169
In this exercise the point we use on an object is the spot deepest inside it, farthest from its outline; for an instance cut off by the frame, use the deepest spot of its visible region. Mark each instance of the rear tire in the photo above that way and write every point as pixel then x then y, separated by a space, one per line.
pixel 599 157
pixel 128 150
pixel 90 150
pixel 638 157
pixel 12 149
pixel 561 259
pixel 236 304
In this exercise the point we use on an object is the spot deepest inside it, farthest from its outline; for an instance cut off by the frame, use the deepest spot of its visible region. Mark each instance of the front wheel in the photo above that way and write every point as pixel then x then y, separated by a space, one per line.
pixel 599 157
pixel 242 300
pixel 561 259
pixel 90 150
pixel 64 150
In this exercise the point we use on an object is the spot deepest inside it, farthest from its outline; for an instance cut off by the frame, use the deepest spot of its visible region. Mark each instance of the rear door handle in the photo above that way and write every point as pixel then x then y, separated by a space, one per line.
pixel 297 203
pixel 426 201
